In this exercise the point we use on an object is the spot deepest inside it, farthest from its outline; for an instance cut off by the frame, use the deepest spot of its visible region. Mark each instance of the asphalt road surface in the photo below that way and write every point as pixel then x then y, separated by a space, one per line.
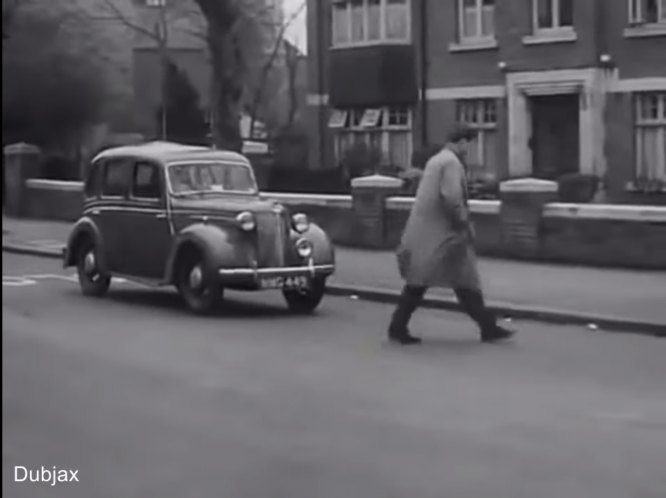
pixel 144 400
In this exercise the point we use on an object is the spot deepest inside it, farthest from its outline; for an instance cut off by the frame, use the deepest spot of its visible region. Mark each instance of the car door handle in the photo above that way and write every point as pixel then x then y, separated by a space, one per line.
pixel 161 216
pixel 95 211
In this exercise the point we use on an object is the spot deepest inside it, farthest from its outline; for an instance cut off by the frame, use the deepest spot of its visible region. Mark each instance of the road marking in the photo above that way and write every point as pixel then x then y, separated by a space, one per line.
pixel 16 281
pixel 24 280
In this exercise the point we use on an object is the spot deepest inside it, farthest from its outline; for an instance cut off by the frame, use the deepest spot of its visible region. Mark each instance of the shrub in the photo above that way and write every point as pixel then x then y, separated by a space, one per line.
pixel 360 160
pixel 577 187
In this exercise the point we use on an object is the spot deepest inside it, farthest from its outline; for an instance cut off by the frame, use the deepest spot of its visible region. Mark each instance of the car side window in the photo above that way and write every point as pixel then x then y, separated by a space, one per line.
pixel 146 182
pixel 117 176
pixel 93 180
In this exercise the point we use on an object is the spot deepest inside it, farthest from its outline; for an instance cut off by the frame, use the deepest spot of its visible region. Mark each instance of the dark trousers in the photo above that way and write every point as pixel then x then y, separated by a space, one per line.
pixel 471 301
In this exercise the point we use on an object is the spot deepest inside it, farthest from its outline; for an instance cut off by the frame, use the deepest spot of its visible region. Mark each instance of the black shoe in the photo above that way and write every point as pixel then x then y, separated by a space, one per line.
pixel 405 340
pixel 496 334
pixel 402 337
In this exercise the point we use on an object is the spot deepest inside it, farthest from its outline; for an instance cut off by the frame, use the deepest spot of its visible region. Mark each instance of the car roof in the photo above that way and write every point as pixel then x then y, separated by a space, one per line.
pixel 170 152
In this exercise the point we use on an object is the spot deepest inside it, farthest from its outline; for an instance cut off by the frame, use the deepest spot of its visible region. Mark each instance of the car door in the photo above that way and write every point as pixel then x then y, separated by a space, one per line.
pixel 110 212
pixel 148 223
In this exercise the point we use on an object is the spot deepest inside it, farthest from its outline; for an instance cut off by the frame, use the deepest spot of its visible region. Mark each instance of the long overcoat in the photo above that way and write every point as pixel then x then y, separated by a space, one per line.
pixel 437 246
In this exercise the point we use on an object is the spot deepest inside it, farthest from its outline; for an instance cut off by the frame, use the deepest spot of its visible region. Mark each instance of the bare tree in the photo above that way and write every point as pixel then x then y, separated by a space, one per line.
pixel 158 34
pixel 278 49
pixel 293 61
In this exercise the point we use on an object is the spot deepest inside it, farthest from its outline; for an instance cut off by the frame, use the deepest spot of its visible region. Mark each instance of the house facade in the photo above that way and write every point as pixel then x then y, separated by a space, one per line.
pixel 553 86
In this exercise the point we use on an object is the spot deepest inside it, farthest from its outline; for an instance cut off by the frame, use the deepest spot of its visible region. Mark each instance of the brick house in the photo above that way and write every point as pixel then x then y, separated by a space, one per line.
pixel 554 86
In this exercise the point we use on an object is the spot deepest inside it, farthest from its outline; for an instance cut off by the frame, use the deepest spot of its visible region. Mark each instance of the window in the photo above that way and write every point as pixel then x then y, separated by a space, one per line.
pixel 93 181
pixel 117 175
pixel 476 19
pixel 211 178
pixel 387 130
pixel 146 181
pixel 481 115
pixel 552 14
pixel 650 142
pixel 647 11
pixel 367 21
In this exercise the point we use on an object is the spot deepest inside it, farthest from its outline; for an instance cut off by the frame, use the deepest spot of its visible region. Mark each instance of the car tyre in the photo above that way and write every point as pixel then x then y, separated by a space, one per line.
pixel 92 281
pixel 304 301
pixel 200 296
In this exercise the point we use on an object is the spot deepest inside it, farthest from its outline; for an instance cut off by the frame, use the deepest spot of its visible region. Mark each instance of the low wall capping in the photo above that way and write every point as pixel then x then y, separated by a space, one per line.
pixel 528 185
pixel 632 236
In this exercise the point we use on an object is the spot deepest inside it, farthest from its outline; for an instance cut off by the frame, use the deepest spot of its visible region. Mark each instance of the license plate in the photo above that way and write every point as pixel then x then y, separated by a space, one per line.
pixel 284 282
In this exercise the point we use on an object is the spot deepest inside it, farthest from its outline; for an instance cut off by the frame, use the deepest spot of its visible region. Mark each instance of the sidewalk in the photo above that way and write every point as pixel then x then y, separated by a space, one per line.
pixel 609 298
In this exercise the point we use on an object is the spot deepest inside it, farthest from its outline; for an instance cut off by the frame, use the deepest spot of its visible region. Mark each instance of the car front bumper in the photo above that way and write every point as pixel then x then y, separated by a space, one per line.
pixel 256 276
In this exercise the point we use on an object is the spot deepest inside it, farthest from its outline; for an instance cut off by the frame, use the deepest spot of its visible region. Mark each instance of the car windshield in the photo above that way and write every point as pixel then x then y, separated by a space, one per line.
pixel 202 178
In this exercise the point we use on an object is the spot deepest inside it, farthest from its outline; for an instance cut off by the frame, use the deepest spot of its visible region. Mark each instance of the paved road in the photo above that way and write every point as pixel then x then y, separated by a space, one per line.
pixel 145 400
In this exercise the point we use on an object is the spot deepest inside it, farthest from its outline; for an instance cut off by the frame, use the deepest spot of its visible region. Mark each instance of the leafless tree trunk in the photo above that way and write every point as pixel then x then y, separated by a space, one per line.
pixel 160 36
pixel 278 47
pixel 293 62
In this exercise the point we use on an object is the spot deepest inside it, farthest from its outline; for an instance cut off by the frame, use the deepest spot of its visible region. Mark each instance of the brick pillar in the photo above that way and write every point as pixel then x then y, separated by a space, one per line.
pixel 369 196
pixel 521 213
pixel 21 163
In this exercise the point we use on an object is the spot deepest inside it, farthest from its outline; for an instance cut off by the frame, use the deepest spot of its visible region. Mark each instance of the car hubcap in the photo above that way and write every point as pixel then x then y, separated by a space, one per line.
pixel 89 263
pixel 196 278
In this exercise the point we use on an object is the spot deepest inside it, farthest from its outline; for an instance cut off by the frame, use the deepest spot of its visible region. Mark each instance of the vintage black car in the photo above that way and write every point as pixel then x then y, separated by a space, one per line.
pixel 168 214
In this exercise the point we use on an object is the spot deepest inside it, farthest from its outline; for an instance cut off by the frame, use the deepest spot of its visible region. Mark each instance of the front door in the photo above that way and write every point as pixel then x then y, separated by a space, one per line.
pixel 148 225
pixel 555 135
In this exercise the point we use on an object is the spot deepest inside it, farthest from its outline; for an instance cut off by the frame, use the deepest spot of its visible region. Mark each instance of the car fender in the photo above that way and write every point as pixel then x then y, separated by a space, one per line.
pixel 323 250
pixel 213 241
pixel 84 227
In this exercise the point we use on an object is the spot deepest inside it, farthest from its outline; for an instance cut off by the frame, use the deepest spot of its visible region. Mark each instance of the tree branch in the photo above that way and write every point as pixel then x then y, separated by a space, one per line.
pixel 120 16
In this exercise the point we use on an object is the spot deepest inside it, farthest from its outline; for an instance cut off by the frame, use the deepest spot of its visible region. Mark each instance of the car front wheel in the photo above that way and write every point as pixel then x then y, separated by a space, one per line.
pixel 92 281
pixel 306 300
pixel 200 295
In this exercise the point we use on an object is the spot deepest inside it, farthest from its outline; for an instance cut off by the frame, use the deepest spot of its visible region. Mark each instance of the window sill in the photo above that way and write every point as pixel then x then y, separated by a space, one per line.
pixel 645 30
pixel 564 36
pixel 377 43
pixel 474 45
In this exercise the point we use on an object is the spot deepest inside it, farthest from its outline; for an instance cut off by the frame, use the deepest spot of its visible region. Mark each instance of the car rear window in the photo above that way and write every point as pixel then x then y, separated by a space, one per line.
pixel 211 177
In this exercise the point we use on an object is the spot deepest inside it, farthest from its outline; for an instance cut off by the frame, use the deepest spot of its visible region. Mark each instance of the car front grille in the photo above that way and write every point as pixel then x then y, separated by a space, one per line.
pixel 272 239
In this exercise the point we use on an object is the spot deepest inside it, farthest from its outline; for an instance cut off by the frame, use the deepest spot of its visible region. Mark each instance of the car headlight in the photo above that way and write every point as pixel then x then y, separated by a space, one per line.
pixel 246 221
pixel 304 248
pixel 300 222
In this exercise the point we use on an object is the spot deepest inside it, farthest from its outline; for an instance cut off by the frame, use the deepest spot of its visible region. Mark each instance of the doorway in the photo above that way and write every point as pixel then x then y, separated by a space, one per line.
pixel 555 140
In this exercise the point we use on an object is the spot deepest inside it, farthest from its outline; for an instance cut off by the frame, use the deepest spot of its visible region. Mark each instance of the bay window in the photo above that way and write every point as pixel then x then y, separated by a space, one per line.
pixel 388 130
pixel 367 21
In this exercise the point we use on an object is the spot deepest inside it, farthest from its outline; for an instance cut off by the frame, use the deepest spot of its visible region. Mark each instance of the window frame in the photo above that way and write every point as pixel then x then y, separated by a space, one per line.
pixel 641 123
pixel 480 124
pixel 383 25
pixel 637 16
pixel 480 38
pixel 557 27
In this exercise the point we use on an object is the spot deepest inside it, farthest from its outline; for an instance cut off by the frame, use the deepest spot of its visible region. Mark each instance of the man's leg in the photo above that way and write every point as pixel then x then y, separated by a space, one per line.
pixel 410 299
pixel 472 302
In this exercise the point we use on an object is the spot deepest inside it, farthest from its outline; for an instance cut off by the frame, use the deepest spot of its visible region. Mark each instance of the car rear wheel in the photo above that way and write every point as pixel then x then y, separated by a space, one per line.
pixel 92 281
pixel 306 300
pixel 200 295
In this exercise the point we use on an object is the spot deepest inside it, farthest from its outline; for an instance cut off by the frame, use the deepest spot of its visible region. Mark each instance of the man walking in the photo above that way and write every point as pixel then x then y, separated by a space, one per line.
pixel 437 248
